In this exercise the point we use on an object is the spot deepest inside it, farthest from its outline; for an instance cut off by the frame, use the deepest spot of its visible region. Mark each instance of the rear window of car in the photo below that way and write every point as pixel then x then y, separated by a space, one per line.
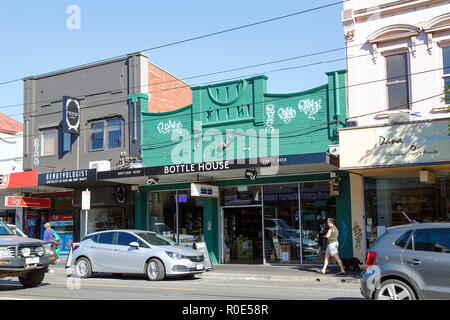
pixel 401 242
pixel 434 240
pixel 106 238
pixel 93 237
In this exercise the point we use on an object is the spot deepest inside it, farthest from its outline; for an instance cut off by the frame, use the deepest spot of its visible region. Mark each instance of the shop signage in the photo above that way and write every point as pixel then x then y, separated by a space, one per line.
pixel 124 173
pixel 19 179
pixel 13 201
pixel 71 115
pixel 420 142
pixel 424 142
pixel 86 200
pixel 204 190
pixel 67 176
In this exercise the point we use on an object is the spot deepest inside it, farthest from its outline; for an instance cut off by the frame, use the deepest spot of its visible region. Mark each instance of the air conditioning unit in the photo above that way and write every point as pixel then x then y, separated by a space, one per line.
pixel 102 165
pixel 399 116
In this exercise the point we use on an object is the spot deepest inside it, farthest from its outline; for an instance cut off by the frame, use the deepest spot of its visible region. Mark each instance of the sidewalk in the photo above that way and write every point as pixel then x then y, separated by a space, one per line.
pixel 302 274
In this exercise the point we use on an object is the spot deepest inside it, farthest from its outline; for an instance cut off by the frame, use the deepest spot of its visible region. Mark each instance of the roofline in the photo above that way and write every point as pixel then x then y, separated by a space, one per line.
pixel 83 66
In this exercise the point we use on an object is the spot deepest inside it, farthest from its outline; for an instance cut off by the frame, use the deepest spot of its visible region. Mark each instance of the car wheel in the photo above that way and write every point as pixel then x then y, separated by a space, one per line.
pixel 155 270
pixel 394 290
pixel 33 278
pixel 83 268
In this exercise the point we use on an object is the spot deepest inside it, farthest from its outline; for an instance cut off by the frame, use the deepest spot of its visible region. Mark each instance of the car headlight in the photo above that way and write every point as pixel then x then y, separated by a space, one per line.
pixel 25 252
pixel 48 248
pixel 174 255
pixel 40 251
pixel 4 253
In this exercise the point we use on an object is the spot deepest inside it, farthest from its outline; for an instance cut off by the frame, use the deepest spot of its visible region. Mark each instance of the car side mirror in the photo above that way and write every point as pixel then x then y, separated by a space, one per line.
pixel 134 244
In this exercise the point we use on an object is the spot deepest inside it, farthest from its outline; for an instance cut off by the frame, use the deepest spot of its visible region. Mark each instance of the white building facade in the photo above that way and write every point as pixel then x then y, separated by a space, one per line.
pixel 11 146
pixel 396 144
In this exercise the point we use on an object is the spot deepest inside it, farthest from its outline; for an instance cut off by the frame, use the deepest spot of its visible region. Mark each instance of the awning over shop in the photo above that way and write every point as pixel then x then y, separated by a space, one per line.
pixel 319 162
pixel 19 179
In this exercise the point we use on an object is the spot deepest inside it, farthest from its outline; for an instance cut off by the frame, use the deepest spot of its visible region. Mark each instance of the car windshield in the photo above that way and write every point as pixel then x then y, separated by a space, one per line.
pixel 155 239
pixel 5 230
pixel 282 224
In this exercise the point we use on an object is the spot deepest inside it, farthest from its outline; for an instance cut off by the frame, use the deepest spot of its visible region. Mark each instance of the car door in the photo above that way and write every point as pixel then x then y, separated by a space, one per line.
pixel 128 259
pixel 101 252
pixel 427 261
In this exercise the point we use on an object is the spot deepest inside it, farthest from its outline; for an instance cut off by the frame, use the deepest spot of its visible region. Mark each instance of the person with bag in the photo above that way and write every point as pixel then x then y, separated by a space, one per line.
pixel 332 246
pixel 51 236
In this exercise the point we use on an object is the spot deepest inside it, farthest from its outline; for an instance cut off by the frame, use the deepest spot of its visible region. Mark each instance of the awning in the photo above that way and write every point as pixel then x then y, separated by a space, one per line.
pixel 19 179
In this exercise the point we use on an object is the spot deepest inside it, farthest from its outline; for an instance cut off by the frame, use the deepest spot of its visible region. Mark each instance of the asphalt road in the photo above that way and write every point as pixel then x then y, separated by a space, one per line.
pixel 62 286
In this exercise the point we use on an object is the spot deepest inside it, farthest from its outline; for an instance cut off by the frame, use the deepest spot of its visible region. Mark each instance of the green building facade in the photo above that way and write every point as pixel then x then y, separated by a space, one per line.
pixel 264 165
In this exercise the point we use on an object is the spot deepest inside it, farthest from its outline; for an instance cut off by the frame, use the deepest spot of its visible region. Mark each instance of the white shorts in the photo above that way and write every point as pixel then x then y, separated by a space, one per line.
pixel 332 249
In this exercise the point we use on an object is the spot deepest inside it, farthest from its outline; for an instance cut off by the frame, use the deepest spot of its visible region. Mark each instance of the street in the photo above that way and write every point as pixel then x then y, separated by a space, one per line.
pixel 59 285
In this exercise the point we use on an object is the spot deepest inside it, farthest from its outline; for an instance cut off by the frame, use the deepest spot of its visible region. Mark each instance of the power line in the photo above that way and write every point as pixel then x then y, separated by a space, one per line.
pixel 206 35
pixel 186 86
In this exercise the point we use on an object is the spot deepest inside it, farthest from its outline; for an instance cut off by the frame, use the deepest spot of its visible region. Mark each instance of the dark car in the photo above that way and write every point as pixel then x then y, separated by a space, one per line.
pixel 409 262
pixel 25 258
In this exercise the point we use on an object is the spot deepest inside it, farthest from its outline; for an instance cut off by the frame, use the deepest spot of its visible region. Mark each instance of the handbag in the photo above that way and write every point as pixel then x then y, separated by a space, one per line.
pixel 51 235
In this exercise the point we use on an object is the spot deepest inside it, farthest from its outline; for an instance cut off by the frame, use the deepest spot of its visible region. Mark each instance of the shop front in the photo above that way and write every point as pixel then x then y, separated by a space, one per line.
pixel 401 172
pixel 264 165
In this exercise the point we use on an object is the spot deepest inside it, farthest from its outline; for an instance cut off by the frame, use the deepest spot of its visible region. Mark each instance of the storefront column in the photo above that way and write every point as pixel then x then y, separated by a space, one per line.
pixel 344 218
pixel 358 224
pixel 141 209
pixel 211 228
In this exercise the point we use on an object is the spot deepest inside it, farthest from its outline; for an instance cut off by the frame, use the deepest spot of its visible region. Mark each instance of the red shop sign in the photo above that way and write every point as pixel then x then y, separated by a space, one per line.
pixel 13 201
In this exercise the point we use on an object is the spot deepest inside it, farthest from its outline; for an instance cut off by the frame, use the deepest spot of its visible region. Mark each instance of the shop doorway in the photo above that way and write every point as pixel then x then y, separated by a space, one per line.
pixel 243 241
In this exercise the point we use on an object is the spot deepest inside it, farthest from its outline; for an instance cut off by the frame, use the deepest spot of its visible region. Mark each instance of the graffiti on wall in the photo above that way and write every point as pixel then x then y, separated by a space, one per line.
pixel 169 127
pixel 270 111
pixel 357 235
pixel 286 114
pixel 310 107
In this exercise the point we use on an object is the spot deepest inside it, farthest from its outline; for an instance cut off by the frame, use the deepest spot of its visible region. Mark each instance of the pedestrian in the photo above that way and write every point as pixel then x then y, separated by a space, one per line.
pixel 332 246
pixel 51 236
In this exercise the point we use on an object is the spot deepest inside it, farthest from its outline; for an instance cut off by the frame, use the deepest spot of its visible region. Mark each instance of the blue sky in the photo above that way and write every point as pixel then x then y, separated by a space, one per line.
pixel 35 40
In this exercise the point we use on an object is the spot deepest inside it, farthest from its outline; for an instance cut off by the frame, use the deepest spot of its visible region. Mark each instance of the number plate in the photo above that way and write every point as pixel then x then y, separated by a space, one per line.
pixel 31 260
pixel 200 266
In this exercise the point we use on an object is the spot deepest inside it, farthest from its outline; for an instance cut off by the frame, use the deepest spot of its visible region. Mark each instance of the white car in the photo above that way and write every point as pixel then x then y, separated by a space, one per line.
pixel 134 252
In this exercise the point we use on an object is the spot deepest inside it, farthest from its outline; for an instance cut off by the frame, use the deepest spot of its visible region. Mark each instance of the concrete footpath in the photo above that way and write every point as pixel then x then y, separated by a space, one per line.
pixel 268 272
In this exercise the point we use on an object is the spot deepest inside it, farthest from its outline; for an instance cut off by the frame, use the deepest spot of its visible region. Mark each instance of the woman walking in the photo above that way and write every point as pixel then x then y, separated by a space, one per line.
pixel 332 246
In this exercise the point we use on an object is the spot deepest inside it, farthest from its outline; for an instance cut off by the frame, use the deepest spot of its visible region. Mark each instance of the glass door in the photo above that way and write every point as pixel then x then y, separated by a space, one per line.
pixel 316 206
pixel 281 224
pixel 243 235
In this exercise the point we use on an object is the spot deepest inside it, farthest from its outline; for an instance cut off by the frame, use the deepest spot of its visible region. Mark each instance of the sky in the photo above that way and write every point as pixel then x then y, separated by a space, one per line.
pixel 35 39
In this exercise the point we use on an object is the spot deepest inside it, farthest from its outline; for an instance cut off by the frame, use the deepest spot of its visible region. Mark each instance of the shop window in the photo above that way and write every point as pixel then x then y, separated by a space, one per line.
pixel 48 142
pixel 446 66
pixel 240 195
pixel 281 223
pixel 434 240
pixel 397 81
pixel 100 219
pixel 163 218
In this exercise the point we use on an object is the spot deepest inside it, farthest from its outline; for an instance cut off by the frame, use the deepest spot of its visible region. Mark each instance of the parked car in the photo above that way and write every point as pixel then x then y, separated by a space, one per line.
pixel 409 262
pixel 17 231
pixel 25 258
pixel 134 252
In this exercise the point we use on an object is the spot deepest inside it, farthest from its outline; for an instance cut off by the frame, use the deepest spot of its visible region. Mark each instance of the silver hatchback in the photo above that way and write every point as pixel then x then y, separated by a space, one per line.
pixel 409 262
pixel 134 252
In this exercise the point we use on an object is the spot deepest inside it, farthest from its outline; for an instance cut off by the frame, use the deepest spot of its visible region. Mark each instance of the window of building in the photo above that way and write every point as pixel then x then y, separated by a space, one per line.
pixel 114 134
pixel 446 65
pixel 96 136
pixel 48 142
pixel 397 80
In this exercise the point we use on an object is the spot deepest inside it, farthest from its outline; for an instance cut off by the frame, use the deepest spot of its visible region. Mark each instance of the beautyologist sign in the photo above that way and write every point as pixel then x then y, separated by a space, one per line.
pixel 71 115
